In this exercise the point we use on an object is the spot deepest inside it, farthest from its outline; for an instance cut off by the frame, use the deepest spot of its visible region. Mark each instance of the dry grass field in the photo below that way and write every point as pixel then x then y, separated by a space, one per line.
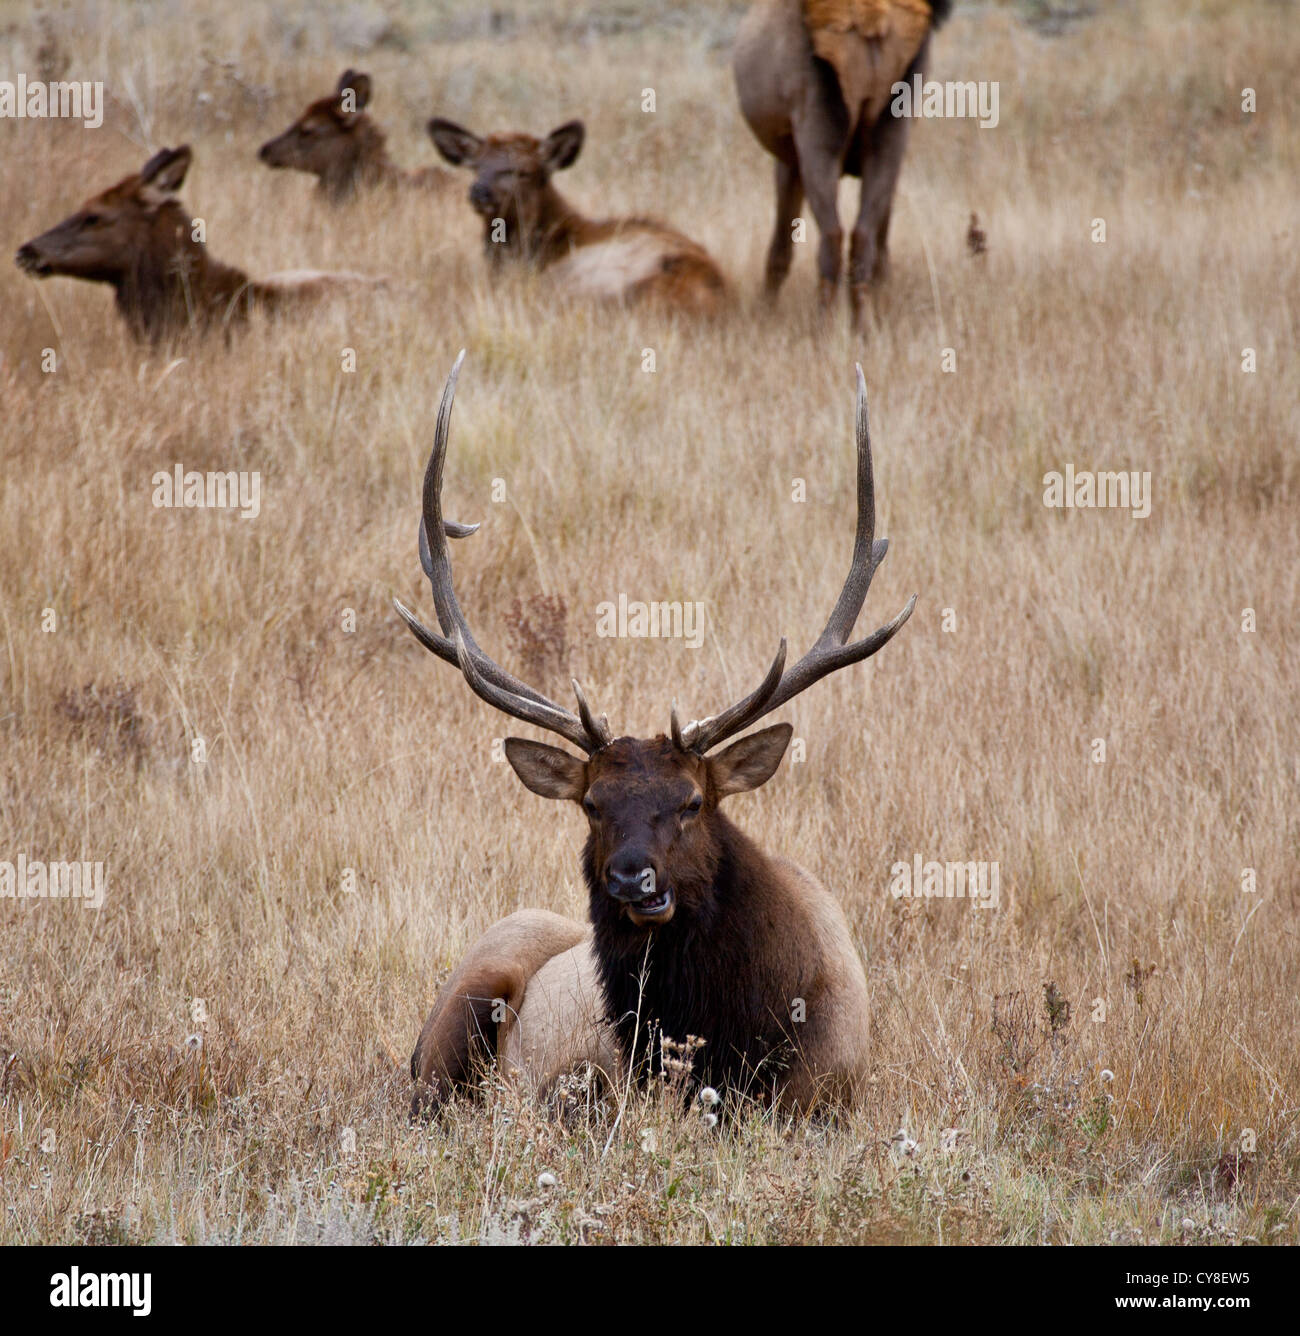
pixel 218 1054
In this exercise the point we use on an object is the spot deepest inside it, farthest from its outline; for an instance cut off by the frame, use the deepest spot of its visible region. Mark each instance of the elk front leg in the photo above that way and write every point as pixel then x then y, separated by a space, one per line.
pixel 868 246
pixel 881 163
pixel 819 169
pixel 789 196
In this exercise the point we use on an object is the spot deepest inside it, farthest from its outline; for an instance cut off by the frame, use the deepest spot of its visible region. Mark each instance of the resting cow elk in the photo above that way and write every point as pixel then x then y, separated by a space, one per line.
pixel 138 238
pixel 338 143
pixel 526 219
pixel 694 931
pixel 815 80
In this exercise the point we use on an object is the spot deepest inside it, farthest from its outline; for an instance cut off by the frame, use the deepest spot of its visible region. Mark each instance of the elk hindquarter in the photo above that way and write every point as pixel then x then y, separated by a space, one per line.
pixel 814 78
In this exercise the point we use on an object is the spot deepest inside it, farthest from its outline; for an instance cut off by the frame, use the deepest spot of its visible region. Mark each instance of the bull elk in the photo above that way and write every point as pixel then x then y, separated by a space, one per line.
pixel 526 219
pixel 339 143
pixel 137 237
pixel 694 930
pixel 815 80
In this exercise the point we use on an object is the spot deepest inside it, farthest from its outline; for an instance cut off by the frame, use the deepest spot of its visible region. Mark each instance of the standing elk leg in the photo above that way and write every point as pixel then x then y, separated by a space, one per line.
pixel 819 169
pixel 868 245
pixel 789 196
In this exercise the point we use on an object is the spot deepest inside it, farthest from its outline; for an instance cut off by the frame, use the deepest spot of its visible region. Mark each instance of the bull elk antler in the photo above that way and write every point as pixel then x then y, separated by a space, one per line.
pixel 457 646
pixel 831 650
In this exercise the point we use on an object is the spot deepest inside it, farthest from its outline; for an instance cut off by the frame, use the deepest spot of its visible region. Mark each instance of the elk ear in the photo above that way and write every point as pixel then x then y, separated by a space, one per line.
pixel 562 146
pixel 358 85
pixel 163 173
pixel 547 771
pixel 455 143
pixel 751 762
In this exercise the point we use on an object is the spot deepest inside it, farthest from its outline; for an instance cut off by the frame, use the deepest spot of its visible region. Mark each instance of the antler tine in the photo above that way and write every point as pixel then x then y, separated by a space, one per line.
pixel 449 527
pixel 831 649
pixel 703 733
pixel 865 559
pixel 453 530
pixel 431 640
pixel 434 557
pixel 456 644
pixel 597 729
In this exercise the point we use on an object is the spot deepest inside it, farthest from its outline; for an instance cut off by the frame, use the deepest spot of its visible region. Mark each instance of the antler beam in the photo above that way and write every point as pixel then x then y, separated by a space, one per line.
pixel 456 645
pixel 832 649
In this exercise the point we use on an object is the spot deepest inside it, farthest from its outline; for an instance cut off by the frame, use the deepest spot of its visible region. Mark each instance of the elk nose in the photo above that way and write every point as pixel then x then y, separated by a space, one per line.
pixel 480 196
pixel 630 876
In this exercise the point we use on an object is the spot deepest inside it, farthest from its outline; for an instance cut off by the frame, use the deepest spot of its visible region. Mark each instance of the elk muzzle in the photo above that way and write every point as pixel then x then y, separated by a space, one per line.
pixel 483 199
pixel 632 879
pixel 31 261
pixel 272 153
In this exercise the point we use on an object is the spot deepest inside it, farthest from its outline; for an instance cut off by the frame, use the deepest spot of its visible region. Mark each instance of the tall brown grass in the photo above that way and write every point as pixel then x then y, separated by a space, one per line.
pixel 337 758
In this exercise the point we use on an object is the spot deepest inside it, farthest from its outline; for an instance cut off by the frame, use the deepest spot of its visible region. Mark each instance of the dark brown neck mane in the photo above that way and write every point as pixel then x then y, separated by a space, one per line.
pixel 724 969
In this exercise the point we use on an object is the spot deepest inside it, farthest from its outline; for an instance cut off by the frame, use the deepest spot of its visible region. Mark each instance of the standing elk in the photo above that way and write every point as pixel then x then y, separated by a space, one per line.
pixel 695 931
pixel 338 143
pixel 815 80
pixel 526 219
pixel 137 237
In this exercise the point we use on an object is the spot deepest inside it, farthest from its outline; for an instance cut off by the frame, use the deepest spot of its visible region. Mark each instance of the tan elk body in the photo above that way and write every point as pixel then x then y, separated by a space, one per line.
pixel 526 220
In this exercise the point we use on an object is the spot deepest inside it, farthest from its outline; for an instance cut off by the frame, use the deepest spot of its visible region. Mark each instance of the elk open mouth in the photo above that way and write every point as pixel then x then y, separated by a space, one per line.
pixel 654 909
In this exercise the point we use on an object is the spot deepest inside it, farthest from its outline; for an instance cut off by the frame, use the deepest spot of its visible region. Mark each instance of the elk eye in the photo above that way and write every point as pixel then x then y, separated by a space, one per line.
pixel 591 809
pixel 692 808
pixel 91 220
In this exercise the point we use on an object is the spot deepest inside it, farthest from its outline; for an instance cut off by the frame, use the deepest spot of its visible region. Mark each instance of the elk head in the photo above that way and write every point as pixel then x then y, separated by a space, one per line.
pixel 653 845
pixel 512 174
pixel 111 237
pixel 330 139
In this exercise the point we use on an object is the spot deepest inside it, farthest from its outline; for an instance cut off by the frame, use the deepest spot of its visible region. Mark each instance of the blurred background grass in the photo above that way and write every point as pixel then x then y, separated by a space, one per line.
pixel 330 750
